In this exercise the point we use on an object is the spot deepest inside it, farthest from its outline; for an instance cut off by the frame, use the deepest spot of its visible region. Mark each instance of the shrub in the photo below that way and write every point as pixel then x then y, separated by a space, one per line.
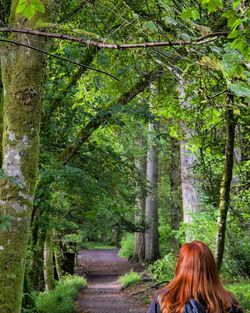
pixel 127 246
pixel 163 269
pixel 62 298
pixel 242 293
pixel 129 278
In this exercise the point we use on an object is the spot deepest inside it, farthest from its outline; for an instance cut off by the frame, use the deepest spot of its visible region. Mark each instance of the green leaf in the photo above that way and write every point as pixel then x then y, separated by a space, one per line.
pixel 21 6
pixel 231 21
pixel 240 89
pixel 234 34
pixel 195 14
pixel 192 13
pixel 186 13
pixel 236 24
pixel 236 3
pixel 151 26
pixel 229 13
pixel 29 11
pixel 164 5
pixel 38 5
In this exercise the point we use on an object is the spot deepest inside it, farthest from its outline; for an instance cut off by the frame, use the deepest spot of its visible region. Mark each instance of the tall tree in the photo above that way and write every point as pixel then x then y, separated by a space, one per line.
pixel 191 202
pixel 152 251
pixel 22 76
pixel 226 180
pixel 140 165
pixel 175 189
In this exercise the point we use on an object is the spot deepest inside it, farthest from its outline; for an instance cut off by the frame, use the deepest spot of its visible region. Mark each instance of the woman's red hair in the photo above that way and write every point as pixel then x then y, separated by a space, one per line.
pixel 196 278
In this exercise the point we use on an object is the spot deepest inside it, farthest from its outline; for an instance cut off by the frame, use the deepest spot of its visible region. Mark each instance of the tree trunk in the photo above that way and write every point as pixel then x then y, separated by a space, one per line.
pixel 140 166
pixel 151 211
pixel 225 181
pixel 58 263
pixel 175 192
pixel 117 235
pixel 22 76
pixel 48 263
pixel 191 203
pixel 1 117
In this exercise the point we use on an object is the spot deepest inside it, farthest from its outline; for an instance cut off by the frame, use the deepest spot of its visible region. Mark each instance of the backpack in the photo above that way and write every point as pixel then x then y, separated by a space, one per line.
pixel 190 307
pixel 193 306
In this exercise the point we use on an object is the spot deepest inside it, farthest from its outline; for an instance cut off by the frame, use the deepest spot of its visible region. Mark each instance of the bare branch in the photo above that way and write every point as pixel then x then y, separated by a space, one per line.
pixel 100 44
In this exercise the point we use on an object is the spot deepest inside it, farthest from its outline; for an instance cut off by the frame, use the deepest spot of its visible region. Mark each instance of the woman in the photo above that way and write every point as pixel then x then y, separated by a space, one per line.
pixel 196 287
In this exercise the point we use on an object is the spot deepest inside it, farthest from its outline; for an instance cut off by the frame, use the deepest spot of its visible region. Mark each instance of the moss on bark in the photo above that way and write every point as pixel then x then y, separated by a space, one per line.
pixel 22 76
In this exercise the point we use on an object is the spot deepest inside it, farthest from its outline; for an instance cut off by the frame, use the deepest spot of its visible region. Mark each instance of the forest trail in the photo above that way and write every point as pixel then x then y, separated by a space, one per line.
pixel 103 293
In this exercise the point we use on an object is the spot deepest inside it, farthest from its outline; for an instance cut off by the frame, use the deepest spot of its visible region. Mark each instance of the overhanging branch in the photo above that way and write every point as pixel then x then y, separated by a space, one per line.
pixel 96 121
pixel 103 45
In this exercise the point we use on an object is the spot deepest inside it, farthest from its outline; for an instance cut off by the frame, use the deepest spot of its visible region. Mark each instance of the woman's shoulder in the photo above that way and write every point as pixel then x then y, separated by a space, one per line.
pixel 154 306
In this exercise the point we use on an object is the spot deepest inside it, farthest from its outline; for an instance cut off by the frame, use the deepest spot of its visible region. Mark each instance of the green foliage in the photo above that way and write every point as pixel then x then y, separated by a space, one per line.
pixel 127 246
pixel 164 269
pixel 99 245
pixel 191 12
pixel 242 292
pixel 29 7
pixel 165 236
pixel 202 228
pixel 5 222
pixel 62 298
pixel 129 278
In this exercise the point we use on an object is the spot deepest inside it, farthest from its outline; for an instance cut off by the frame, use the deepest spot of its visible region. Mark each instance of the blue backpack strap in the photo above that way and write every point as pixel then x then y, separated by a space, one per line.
pixel 188 308
pixel 193 307
pixel 154 307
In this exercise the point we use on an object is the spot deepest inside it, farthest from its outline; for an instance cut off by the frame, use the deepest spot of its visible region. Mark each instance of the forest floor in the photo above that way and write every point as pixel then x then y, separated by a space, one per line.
pixel 103 293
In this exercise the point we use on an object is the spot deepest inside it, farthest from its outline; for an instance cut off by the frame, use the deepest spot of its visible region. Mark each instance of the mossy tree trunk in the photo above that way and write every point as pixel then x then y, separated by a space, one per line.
pixel 225 181
pixel 175 192
pixel 48 262
pixel 22 76
pixel 1 117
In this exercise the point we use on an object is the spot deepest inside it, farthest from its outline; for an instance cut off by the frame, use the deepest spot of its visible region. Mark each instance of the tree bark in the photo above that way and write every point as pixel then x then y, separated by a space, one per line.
pixel 151 211
pixel 48 262
pixel 22 76
pixel 191 202
pixel 175 192
pixel 140 166
pixel 225 181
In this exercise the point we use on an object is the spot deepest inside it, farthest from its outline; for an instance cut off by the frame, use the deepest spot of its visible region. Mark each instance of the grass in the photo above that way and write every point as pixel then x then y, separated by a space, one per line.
pixel 62 298
pixel 99 245
pixel 129 278
pixel 242 293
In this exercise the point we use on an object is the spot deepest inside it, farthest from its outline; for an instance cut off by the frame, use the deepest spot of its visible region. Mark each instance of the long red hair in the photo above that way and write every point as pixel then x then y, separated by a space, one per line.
pixel 196 278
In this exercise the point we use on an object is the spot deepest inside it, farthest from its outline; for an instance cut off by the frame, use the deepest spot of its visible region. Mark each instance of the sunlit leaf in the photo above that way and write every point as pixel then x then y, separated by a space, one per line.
pixel 38 5
pixel 240 89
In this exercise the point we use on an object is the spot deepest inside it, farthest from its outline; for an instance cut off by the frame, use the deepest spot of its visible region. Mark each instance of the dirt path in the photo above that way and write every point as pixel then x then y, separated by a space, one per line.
pixel 103 294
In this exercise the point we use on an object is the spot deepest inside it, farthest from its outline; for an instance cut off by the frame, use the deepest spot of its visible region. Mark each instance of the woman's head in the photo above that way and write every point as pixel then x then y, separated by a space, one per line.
pixel 196 277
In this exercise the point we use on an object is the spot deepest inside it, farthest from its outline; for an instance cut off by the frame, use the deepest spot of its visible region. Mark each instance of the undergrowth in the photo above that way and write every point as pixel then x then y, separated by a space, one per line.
pixel 127 246
pixel 242 293
pixel 62 298
pixel 129 278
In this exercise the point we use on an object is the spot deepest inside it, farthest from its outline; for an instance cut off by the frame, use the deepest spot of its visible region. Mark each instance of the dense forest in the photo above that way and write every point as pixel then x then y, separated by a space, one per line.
pixel 122 123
